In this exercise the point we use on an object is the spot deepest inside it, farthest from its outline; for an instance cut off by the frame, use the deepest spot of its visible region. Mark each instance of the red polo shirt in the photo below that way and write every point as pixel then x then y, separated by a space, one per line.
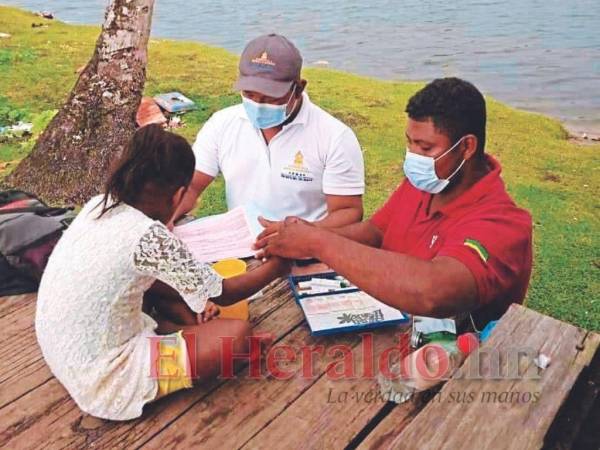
pixel 483 229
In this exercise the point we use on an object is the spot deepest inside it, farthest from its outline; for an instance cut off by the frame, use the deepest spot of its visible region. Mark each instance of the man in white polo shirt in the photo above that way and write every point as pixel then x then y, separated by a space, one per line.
pixel 278 152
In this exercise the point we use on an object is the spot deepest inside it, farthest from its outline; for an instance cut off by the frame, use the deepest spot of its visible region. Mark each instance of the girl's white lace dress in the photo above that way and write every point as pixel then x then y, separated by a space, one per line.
pixel 89 320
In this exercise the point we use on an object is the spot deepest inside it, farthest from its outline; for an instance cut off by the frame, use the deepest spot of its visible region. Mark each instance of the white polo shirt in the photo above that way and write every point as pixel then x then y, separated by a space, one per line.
pixel 310 157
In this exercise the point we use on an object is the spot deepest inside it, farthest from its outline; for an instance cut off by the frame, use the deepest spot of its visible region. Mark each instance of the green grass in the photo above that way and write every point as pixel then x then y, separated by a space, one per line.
pixel 555 179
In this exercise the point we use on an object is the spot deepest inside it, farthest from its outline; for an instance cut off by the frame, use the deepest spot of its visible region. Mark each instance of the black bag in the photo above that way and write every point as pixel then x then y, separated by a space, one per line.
pixel 29 230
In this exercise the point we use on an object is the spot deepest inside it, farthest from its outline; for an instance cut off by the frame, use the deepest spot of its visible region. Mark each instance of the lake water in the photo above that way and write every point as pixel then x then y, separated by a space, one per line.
pixel 540 55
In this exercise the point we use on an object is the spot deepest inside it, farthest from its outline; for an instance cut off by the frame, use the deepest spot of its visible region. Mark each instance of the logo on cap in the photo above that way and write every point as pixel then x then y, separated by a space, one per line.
pixel 263 60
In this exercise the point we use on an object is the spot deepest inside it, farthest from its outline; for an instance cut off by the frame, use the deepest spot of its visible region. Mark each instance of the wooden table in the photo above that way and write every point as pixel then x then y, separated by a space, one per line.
pixel 318 411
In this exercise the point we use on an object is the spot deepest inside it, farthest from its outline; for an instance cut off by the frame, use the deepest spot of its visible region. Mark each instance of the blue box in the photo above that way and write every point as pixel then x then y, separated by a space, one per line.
pixel 357 327
pixel 175 102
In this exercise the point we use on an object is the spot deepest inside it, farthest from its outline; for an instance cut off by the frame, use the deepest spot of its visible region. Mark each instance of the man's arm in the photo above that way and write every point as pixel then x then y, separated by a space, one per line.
pixel 437 288
pixel 342 210
pixel 363 232
pixel 199 183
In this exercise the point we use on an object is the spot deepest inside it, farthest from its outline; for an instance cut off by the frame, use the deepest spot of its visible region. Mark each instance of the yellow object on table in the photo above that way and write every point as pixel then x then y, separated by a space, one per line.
pixel 229 268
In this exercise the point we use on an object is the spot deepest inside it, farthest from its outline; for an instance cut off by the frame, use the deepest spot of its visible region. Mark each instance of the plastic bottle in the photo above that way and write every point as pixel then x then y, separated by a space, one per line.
pixel 426 367
pixel 419 339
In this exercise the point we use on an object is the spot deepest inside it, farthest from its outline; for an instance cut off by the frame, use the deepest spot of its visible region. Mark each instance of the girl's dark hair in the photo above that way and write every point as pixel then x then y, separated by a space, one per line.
pixel 154 157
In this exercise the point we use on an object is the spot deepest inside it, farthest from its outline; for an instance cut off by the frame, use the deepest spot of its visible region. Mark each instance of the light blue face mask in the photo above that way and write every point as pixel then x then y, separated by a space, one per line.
pixel 265 115
pixel 420 171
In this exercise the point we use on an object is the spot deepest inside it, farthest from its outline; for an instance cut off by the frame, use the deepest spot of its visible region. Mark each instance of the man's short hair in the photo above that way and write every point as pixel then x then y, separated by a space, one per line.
pixel 455 106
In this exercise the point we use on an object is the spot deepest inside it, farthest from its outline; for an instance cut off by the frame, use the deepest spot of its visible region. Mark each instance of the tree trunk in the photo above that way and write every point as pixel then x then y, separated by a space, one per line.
pixel 71 159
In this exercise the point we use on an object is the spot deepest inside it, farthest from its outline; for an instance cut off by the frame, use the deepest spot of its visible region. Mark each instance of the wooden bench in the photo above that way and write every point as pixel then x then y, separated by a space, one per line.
pixel 318 411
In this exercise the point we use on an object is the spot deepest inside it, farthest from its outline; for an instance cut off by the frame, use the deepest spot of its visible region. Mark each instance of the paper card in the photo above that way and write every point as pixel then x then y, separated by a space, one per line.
pixel 428 325
pixel 326 313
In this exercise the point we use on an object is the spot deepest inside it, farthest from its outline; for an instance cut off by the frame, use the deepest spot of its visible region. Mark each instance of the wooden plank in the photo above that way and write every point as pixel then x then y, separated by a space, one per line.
pixel 505 412
pixel 23 375
pixel 394 423
pixel 23 367
pixel 576 425
pixel 332 411
pixel 10 304
pixel 58 423
pixel 247 405
pixel 38 419
pixel 272 297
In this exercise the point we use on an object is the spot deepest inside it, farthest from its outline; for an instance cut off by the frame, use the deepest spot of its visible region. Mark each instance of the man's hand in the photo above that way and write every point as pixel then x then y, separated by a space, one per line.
pixel 210 312
pixel 293 240
pixel 272 228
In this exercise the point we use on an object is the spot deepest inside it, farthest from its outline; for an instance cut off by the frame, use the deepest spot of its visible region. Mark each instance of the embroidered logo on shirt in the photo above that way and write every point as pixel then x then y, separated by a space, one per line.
pixel 299 160
pixel 434 238
pixel 480 249
pixel 297 171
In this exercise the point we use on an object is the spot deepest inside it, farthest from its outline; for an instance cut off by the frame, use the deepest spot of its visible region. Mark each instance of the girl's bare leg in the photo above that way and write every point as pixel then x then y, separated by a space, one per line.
pixel 205 343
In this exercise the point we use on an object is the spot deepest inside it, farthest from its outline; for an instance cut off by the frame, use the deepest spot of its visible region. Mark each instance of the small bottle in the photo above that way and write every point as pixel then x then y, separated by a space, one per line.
pixel 425 367
pixel 418 339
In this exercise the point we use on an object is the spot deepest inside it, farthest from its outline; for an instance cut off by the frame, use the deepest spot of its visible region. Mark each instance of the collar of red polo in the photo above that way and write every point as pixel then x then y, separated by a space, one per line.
pixel 489 183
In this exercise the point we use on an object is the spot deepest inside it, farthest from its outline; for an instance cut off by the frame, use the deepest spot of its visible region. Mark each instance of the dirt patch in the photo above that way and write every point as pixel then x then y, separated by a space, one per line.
pixel 351 118
pixel 549 176
pixel 378 103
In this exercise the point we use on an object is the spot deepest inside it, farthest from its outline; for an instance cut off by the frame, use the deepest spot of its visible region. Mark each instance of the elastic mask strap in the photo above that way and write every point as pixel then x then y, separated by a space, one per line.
pixel 457 169
pixel 450 149
pixel 295 103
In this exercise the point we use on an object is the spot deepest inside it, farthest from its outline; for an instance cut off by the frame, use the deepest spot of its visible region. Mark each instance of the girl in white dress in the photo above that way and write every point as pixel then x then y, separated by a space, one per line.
pixel 116 263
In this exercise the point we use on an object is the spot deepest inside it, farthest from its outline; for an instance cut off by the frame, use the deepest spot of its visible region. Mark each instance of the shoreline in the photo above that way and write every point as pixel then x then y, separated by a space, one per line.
pixel 577 130
pixel 581 133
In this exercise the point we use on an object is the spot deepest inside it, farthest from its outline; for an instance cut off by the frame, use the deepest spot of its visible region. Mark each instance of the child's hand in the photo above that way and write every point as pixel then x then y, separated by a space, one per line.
pixel 280 266
pixel 210 312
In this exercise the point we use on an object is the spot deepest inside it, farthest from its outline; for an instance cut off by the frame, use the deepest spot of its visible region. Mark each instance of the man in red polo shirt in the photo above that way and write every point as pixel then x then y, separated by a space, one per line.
pixel 449 240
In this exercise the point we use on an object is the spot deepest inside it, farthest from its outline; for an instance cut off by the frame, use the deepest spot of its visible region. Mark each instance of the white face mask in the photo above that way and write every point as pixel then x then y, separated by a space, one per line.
pixel 265 115
pixel 420 171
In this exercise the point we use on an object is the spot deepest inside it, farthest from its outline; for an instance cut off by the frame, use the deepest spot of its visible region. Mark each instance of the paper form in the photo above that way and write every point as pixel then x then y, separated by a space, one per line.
pixel 222 236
